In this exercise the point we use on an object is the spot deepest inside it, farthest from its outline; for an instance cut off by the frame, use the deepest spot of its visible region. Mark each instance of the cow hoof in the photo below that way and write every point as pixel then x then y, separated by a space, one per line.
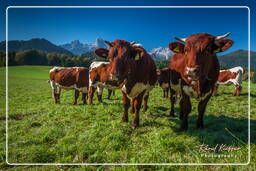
pixel 199 126
pixel 132 111
pixel 124 119
pixel 134 127
pixel 172 116
pixel 183 129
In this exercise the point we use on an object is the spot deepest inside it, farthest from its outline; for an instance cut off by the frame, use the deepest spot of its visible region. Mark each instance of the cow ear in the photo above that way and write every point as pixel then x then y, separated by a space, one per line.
pixel 137 53
pixel 222 45
pixel 101 52
pixel 176 47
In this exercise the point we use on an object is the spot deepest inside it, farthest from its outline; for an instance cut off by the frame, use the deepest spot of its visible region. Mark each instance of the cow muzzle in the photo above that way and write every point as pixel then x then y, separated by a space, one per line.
pixel 192 73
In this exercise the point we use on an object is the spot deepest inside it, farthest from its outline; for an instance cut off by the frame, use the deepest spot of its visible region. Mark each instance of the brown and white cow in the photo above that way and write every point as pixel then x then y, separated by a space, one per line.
pixel 135 71
pixel 163 78
pixel 69 78
pixel 195 70
pixel 231 76
pixel 98 79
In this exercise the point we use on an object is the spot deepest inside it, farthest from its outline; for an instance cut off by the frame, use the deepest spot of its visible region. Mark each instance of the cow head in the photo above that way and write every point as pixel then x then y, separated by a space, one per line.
pixel 163 76
pixel 200 51
pixel 121 55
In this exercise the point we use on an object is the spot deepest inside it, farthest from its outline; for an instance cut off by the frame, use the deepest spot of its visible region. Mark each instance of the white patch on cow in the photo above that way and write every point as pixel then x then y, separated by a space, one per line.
pixel 235 81
pixel 137 89
pixel 189 91
pixel 99 90
pixel 60 68
pixel 165 86
pixel 96 64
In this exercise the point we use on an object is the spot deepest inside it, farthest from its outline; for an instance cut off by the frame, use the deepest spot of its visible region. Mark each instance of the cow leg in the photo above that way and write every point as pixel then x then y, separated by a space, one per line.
pixel 76 97
pixel 185 109
pixel 201 109
pixel 137 105
pixel 164 93
pixel 133 108
pixel 55 97
pixel 237 90
pixel 215 90
pixel 91 93
pixel 126 103
pixel 99 94
pixel 167 92
pixel 172 99
pixel 58 95
pixel 109 93
pixel 145 106
pixel 84 96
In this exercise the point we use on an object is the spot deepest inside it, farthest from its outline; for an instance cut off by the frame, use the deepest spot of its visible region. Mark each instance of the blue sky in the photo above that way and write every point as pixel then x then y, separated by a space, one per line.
pixel 151 27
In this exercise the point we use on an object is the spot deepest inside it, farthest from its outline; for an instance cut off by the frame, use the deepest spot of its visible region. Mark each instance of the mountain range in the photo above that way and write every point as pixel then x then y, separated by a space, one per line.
pixel 77 48
pixel 36 43
pixel 232 59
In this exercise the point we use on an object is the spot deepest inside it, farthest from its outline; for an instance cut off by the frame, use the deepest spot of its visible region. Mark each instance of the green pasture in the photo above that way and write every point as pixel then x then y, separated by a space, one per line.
pixel 40 131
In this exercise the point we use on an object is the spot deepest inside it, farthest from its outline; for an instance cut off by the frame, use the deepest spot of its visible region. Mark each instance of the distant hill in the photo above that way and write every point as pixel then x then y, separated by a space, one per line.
pixel 238 58
pixel 37 44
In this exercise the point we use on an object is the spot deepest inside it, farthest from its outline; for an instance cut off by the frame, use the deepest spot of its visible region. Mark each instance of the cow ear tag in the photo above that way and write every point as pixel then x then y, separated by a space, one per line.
pixel 217 50
pixel 137 57
pixel 177 50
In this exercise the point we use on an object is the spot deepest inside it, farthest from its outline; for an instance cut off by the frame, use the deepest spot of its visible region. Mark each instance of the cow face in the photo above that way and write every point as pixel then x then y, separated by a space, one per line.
pixel 200 51
pixel 121 55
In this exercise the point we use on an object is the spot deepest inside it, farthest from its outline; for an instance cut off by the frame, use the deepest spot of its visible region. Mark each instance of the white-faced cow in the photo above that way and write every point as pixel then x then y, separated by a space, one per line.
pixel 99 79
pixel 69 78
pixel 231 76
pixel 195 70
pixel 163 79
pixel 135 71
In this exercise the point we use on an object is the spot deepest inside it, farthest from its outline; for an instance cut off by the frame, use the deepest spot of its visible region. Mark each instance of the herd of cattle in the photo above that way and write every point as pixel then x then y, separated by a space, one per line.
pixel 193 71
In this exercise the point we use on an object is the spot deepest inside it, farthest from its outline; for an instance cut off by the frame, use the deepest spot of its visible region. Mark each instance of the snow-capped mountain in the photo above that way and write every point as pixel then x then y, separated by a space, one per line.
pixel 161 53
pixel 77 48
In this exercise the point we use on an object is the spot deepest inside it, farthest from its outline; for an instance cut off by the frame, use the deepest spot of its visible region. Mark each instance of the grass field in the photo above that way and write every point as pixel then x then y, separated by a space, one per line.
pixel 40 131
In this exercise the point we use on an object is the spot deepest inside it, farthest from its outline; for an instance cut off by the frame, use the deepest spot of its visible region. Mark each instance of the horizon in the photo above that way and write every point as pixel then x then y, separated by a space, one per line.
pixel 223 53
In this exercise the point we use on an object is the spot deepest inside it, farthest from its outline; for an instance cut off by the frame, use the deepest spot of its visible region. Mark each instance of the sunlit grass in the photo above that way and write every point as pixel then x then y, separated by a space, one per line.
pixel 41 131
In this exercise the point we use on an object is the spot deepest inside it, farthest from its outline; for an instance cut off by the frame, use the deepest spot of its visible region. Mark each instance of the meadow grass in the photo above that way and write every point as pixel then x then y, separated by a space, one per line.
pixel 40 131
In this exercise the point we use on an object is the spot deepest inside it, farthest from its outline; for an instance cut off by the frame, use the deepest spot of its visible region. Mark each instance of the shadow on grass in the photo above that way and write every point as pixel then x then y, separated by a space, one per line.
pixel 242 94
pixel 220 130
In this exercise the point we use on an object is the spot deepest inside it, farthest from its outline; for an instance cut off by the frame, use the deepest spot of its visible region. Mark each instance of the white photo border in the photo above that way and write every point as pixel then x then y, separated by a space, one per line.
pixel 159 164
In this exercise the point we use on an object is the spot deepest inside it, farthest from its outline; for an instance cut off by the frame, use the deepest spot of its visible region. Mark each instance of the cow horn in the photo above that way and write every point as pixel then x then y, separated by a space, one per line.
pixel 222 36
pixel 132 43
pixel 180 39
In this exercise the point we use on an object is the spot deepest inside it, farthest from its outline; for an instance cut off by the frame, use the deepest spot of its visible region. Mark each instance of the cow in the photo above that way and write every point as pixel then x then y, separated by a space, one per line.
pixel 194 71
pixel 231 76
pixel 69 78
pixel 135 71
pixel 98 79
pixel 163 80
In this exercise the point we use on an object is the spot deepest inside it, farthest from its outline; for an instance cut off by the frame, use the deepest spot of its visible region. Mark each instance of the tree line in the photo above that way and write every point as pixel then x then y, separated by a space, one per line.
pixel 35 57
